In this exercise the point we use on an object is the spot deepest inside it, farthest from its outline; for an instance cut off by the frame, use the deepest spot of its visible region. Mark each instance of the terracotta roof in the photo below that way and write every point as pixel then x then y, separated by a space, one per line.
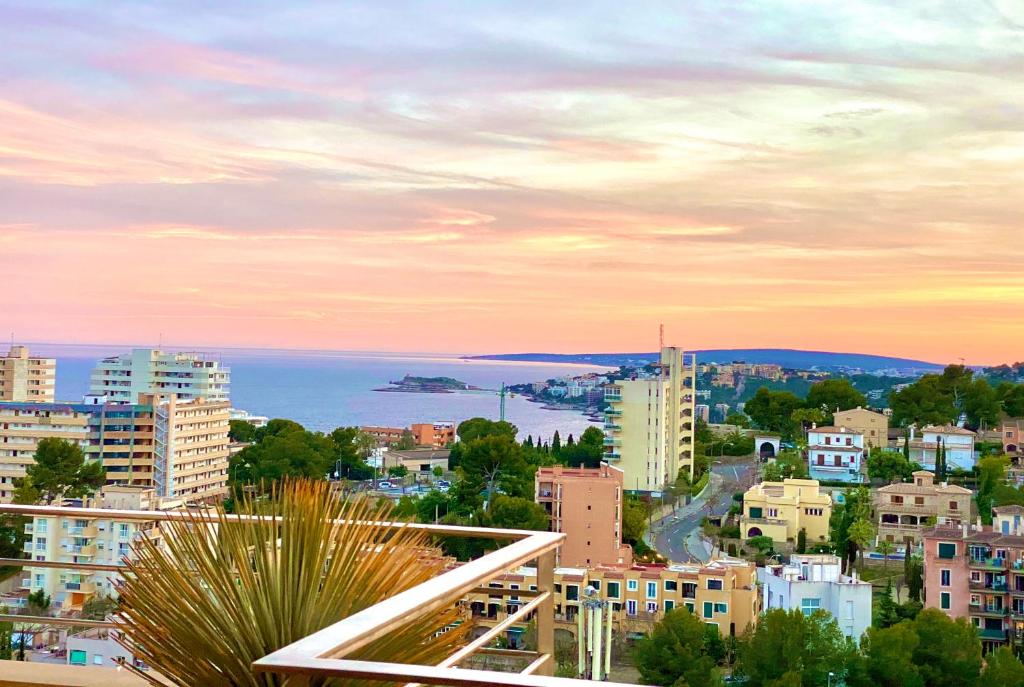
pixel 1012 509
pixel 947 429
pixel 833 430
pixel 909 488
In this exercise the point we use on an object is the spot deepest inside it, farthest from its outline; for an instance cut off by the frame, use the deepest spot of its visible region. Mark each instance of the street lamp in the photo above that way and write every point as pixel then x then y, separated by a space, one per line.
pixel 830 676
pixel 594 636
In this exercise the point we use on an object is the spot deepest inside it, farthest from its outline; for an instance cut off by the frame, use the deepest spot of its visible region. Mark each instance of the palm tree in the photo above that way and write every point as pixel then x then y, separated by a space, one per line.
pixel 203 605
pixel 885 548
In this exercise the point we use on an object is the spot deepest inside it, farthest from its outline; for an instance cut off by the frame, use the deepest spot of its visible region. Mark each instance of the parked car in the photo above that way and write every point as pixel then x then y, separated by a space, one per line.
pixel 442 484
pixel 385 485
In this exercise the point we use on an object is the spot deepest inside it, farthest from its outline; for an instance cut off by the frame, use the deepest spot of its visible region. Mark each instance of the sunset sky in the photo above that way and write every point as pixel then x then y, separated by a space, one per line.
pixel 508 176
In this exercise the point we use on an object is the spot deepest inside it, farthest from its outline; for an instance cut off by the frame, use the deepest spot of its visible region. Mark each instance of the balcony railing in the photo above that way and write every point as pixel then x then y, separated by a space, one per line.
pixel 323 654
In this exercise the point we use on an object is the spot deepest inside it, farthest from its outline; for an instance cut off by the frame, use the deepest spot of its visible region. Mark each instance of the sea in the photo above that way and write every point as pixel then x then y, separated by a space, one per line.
pixel 323 390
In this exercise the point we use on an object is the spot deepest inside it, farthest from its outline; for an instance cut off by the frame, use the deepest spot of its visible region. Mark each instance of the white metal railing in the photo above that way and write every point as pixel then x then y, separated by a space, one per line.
pixel 323 653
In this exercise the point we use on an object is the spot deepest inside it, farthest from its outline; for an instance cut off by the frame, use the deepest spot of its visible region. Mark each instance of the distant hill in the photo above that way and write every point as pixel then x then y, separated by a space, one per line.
pixel 802 360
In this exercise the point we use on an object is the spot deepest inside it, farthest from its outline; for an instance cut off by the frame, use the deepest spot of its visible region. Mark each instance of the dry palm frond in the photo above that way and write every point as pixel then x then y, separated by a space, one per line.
pixel 214 598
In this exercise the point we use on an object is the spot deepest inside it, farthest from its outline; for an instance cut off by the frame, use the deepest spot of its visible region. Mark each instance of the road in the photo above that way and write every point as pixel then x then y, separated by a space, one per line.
pixel 675 536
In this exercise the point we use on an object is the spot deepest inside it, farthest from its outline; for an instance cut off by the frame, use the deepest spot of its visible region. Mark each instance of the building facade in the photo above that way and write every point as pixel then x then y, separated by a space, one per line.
pixel 874 426
pixel 27 378
pixel 586 504
pixel 180 448
pixel 815 582
pixel 977 573
pixel 835 453
pixel 781 509
pixel 957 444
pixel 124 378
pixel 906 509
pixel 649 423
pixel 1012 431
pixel 722 593
pixel 433 434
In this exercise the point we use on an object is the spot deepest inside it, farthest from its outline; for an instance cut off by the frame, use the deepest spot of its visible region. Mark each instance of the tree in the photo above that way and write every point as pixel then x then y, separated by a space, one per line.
pixel 887 614
pixel 949 653
pixel 38 602
pixel 634 522
pixel 1003 669
pixel 437 471
pixel 913 573
pixel 889 466
pixel 933 399
pixel 885 547
pixel 861 533
pixel 407 441
pixel 830 395
pixel 587 452
pixel 789 464
pixel 888 657
pixel 98 607
pixel 738 419
pixel 981 403
pixel 494 461
pixel 479 427
pixel 1011 396
pixel 801 541
pixel 787 647
pixel 293 453
pixel 241 431
pixel 398 471
pixel 856 506
pixel 940 461
pixel 6 638
pixel 60 470
pixel 773 410
pixel 677 652
pixel 991 474
pixel 805 417
pixel 556 443
pixel 516 513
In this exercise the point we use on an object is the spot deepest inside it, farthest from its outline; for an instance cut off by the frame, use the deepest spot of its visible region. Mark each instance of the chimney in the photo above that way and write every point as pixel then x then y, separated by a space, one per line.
pixel 814 425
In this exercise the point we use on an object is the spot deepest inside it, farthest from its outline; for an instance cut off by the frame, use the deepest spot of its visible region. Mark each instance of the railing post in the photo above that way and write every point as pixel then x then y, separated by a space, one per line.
pixel 546 612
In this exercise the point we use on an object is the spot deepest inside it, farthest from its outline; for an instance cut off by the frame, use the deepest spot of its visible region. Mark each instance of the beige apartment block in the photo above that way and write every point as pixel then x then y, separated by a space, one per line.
pixel 586 504
pixel 24 425
pixel 905 509
pixel 190 447
pixel 723 593
pixel 26 378
pixel 781 509
pixel 874 426
pixel 649 423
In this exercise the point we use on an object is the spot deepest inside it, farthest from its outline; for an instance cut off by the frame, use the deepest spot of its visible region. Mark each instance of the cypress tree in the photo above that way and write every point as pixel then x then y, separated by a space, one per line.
pixel 556 443
pixel 940 461
pixel 570 441
pixel 906 445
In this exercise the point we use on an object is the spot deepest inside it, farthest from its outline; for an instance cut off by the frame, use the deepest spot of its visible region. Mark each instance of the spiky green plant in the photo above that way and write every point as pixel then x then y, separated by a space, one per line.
pixel 212 599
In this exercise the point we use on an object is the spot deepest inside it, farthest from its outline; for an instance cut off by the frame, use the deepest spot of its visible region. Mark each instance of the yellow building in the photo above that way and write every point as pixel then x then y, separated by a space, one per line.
pixel 874 426
pixel 722 593
pixel 649 423
pixel 781 509
pixel 27 378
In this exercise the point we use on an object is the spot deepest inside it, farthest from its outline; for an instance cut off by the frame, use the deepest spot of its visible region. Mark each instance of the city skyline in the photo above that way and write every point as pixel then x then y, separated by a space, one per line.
pixel 467 178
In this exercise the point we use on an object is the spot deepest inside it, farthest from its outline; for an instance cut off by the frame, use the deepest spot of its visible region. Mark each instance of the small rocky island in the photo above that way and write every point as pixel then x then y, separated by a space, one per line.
pixel 427 385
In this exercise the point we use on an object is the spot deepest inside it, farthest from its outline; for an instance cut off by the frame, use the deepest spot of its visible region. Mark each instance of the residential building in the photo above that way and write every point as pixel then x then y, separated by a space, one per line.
pixel 245 416
pixel 835 453
pixel 703 411
pixel 815 582
pixel 723 593
pixel 1012 432
pixel 781 509
pixel 586 504
pixel 977 573
pixel 385 436
pixel 905 509
pixel 433 434
pixel 957 444
pixel 124 378
pixel 649 423
pixel 720 412
pixel 95 540
pixel 27 378
pixel 178 447
pixel 97 647
pixel 874 426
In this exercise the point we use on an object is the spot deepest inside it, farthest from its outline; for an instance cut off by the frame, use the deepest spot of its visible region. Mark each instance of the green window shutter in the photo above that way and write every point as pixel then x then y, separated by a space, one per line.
pixel 755 512
pixel 947 550
pixel 707 609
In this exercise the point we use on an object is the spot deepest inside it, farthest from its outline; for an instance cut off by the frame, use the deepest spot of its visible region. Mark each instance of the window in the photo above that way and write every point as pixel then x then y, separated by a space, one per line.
pixel 630 607
pixel 952 505
pixel 40 543
pixel 944 600
pixel 652 606
pixel 947 550
pixel 652 590
pixel 670 585
pixel 715 585
pixel 809 606
pixel 773 512
pixel 572 592
pixel 77 657
pixel 689 606
pixel 596 584
pixel 669 605
pixel 122 530
pixel 943 578
pixel 721 608
pixel 613 590
pixel 631 585
pixel 897 499
pixel 708 609
pixel 812 511
pixel 919 500
pixel 755 512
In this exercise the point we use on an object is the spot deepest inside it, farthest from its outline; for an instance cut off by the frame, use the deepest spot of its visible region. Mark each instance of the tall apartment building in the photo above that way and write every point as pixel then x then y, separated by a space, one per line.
pixel 809 583
pixel 180 448
pixel 978 573
pixel 124 378
pixel 781 509
pixel 723 593
pixel 27 378
pixel 874 426
pixel 100 541
pixel 585 504
pixel 649 423
pixel 905 509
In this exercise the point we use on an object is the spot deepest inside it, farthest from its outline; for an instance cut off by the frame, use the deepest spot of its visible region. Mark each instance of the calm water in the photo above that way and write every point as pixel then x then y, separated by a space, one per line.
pixel 324 390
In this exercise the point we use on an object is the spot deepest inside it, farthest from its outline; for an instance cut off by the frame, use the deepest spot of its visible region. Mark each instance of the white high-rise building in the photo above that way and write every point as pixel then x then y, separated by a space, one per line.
pixel 123 378
pixel 649 423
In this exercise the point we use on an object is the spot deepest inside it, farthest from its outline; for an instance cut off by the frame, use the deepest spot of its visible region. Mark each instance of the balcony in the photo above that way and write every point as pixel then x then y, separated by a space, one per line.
pixel 613 398
pixel 988 563
pixel 326 654
pixel 988 586
pixel 612 441
pixel 612 455
pixel 613 412
pixel 612 427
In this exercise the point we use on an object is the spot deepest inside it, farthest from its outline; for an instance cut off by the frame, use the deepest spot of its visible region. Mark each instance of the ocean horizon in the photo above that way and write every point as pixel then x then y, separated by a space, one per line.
pixel 324 389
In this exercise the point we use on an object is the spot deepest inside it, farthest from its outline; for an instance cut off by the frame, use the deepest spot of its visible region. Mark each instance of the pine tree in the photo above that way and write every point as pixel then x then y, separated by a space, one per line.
pixel 887 612
pixel 529 441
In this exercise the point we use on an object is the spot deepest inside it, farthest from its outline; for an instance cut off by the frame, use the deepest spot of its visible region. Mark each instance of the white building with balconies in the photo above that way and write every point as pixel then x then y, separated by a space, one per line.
pixel 811 583
pixel 189 376
pixel 835 453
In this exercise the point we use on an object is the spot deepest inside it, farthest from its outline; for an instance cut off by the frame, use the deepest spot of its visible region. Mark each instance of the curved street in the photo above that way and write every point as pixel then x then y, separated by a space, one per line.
pixel 677 535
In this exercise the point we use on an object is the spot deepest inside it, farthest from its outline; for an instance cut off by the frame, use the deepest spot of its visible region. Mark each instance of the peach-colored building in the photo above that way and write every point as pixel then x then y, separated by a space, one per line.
pixel 26 378
pixel 433 434
pixel 585 504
